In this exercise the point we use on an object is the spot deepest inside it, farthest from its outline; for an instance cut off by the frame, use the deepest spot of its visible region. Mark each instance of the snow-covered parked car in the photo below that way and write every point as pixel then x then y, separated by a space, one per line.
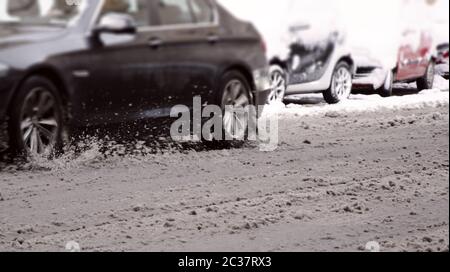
pixel 314 65
pixel 306 47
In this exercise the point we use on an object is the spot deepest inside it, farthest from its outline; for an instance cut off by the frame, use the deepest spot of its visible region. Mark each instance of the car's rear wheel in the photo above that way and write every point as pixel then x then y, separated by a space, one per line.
pixel 427 81
pixel 36 117
pixel 341 84
pixel 235 98
pixel 386 89
pixel 279 85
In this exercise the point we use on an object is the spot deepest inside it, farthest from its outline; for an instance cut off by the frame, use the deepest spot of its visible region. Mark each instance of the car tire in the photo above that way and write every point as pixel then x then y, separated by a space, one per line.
pixel 278 77
pixel 36 119
pixel 427 81
pixel 234 90
pixel 386 89
pixel 341 84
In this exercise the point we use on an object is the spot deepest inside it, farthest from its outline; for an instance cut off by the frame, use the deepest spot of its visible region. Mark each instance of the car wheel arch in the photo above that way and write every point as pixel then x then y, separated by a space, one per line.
pixel 348 59
pixel 245 71
pixel 279 62
pixel 52 75
pixel 283 65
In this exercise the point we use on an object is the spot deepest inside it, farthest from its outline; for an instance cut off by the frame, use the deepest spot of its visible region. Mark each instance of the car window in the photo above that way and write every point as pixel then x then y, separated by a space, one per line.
pixel 202 10
pixel 138 9
pixel 174 12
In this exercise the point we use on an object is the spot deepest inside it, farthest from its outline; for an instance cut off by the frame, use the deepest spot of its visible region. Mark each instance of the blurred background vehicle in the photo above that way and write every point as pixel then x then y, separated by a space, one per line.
pixel 67 65
pixel 402 46
pixel 307 48
pixel 416 63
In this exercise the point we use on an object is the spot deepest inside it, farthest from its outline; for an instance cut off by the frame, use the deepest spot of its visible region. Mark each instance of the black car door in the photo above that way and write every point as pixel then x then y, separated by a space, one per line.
pixel 186 34
pixel 120 78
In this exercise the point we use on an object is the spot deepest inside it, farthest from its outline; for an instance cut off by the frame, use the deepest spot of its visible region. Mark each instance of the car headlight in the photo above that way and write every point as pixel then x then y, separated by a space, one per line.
pixel 3 70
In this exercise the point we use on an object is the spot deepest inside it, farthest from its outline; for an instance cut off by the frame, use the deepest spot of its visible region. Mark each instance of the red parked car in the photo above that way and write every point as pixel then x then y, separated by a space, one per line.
pixel 416 63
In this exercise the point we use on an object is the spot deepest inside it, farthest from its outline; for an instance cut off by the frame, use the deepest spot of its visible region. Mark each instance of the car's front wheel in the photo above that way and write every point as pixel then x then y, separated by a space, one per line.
pixel 279 85
pixel 427 81
pixel 36 116
pixel 341 84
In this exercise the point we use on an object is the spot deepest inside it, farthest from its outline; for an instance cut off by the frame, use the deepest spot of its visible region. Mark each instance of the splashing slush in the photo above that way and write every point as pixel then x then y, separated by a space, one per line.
pixel 228 123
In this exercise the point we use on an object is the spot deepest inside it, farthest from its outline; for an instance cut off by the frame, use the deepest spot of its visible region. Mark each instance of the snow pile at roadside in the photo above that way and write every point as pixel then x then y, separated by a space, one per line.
pixel 303 105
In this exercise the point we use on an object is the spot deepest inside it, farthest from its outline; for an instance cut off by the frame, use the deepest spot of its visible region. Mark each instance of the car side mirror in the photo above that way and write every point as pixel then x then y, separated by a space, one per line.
pixel 116 23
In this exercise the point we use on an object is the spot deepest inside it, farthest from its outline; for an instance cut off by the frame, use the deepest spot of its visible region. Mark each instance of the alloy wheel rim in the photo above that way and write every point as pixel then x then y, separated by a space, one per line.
pixel 39 122
pixel 278 88
pixel 234 102
pixel 342 83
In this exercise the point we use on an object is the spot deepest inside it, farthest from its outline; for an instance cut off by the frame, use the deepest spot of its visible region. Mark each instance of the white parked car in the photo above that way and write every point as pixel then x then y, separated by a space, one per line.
pixel 306 48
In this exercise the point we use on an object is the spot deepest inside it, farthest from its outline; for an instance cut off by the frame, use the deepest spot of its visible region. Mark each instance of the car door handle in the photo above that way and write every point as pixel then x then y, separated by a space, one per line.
pixel 155 43
pixel 213 38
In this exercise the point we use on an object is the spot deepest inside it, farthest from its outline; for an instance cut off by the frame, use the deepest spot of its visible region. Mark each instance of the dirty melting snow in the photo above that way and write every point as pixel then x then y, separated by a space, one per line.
pixel 313 104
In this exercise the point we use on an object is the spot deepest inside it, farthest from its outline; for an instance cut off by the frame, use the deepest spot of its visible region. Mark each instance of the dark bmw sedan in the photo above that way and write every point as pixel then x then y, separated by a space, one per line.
pixel 69 64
